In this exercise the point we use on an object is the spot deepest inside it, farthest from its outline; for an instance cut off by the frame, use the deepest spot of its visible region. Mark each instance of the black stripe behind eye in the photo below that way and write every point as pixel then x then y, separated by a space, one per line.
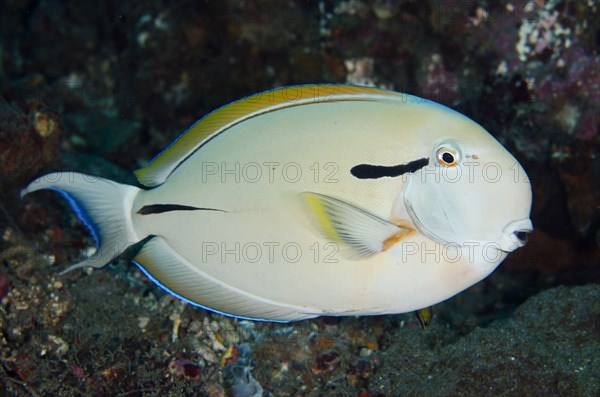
pixel 368 171
pixel 160 208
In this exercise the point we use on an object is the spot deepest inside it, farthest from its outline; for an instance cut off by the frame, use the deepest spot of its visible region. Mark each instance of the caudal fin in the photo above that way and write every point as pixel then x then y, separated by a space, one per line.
pixel 103 205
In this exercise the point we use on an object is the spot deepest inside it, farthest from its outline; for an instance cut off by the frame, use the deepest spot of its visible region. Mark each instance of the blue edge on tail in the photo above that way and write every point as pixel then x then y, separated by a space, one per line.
pixel 87 221
pixel 81 214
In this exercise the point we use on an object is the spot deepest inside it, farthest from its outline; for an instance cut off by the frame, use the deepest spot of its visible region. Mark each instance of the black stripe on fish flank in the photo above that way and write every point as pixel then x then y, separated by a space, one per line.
pixel 369 171
pixel 160 208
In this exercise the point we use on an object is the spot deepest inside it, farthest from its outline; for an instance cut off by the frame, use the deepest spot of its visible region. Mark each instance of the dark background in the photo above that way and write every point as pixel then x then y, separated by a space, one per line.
pixel 101 87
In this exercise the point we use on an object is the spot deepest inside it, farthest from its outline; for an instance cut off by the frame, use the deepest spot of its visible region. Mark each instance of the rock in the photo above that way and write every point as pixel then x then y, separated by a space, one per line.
pixel 548 347
pixel 29 141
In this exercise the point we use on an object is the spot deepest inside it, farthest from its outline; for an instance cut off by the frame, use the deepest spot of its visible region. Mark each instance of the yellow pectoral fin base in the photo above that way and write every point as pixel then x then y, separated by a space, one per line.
pixel 321 216
pixel 363 233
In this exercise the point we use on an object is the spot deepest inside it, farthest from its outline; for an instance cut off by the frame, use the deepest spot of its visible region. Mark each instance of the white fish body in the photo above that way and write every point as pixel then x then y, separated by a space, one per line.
pixel 274 207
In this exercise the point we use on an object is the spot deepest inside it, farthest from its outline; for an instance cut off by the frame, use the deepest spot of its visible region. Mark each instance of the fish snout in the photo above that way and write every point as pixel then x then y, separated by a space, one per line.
pixel 515 234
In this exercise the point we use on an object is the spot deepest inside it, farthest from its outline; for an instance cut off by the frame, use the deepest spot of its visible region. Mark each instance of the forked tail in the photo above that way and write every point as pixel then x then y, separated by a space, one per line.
pixel 103 205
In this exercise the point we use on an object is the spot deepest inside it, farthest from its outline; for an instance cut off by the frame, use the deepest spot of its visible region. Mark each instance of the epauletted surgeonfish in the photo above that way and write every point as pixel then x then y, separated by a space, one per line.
pixel 314 200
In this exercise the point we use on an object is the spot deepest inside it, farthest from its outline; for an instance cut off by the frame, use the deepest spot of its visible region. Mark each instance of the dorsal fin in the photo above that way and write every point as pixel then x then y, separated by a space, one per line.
pixel 157 171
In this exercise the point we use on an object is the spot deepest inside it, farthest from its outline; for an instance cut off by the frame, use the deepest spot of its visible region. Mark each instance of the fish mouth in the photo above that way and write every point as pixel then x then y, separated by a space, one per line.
pixel 515 235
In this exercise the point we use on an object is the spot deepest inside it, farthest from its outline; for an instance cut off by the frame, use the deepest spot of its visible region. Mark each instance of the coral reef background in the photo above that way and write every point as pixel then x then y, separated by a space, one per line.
pixel 101 87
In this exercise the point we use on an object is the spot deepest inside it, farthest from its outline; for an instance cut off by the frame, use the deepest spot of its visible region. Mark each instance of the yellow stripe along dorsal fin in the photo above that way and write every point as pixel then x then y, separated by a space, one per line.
pixel 158 170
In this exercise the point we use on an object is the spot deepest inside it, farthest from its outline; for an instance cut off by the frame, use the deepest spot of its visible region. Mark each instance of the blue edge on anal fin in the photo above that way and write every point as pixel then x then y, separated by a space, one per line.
pixel 158 283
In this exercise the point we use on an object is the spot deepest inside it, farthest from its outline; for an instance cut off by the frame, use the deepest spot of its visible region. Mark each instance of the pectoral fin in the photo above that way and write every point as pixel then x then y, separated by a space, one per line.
pixel 363 233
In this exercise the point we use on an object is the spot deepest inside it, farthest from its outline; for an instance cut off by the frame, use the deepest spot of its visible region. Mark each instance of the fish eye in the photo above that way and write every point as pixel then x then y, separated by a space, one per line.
pixel 447 157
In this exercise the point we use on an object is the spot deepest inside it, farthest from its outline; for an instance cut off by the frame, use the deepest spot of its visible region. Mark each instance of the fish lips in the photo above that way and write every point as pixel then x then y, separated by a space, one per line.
pixel 515 235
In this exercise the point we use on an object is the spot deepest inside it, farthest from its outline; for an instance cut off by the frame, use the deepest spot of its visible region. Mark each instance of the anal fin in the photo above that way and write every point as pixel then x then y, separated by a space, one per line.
pixel 176 275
